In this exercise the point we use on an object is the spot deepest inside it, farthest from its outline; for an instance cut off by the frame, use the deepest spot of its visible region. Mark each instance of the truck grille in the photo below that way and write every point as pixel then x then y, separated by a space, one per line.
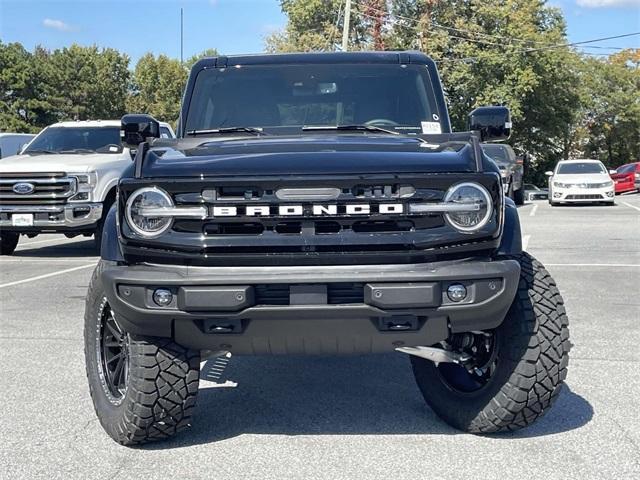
pixel 275 220
pixel 242 196
pixel 39 188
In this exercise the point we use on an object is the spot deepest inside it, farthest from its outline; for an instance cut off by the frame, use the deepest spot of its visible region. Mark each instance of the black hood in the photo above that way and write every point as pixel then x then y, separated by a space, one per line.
pixel 317 154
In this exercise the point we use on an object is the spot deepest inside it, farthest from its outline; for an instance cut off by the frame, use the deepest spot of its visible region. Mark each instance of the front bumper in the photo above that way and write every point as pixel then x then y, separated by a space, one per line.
pixel 52 218
pixel 579 195
pixel 312 310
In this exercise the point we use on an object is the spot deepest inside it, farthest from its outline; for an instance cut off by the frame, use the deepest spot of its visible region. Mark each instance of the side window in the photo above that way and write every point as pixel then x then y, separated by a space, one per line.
pixel 165 133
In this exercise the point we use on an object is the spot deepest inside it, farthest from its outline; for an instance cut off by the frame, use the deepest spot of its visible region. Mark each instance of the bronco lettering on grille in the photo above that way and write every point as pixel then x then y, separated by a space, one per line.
pixel 316 210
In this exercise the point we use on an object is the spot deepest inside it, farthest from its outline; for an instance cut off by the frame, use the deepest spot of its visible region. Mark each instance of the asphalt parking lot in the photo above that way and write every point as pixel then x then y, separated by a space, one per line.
pixel 331 418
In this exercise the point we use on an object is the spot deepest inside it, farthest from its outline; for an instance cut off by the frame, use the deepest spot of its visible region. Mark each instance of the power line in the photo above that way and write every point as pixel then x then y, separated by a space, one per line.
pixel 462 30
pixel 552 47
pixel 482 42
pixel 480 34
pixel 523 50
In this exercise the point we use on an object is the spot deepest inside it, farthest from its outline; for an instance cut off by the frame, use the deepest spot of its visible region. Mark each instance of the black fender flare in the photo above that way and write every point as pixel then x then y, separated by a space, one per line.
pixel 511 242
pixel 110 247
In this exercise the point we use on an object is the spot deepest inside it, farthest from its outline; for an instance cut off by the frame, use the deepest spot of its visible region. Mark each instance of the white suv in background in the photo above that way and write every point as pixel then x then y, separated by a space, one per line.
pixel 580 181
pixel 64 181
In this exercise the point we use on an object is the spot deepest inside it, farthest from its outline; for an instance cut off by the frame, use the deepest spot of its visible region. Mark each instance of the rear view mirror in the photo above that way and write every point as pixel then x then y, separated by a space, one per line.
pixel 548 173
pixel 493 123
pixel 137 128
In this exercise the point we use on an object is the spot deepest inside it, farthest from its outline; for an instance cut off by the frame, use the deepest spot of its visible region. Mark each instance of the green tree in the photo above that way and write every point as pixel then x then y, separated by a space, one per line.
pixel 89 83
pixel 612 108
pixel 158 83
pixel 25 105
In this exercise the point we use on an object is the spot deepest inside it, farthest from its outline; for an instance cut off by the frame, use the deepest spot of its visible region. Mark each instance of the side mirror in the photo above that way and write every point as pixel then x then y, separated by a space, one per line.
pixel 612 172
pixel 549 173
pixel 137 128
pixel 493 123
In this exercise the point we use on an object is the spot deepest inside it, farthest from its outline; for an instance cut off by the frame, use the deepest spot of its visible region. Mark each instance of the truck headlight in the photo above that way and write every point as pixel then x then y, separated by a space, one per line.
pixel 86 182
pixel 469 221
pixel 148 198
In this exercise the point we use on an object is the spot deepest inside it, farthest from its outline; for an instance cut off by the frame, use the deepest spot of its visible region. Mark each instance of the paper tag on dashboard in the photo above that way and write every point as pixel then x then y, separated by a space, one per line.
pixel 431 127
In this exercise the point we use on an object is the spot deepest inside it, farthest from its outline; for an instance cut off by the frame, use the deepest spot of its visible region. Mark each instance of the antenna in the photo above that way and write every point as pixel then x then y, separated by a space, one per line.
pixel 181 35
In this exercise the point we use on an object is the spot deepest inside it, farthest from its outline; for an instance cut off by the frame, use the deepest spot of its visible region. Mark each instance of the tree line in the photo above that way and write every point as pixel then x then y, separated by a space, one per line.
pixel 86 83
pixel 564 103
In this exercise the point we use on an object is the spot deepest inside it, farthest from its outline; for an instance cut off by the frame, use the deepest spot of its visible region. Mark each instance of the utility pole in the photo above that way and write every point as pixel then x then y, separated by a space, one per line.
pixel 345 26
pixel 181 36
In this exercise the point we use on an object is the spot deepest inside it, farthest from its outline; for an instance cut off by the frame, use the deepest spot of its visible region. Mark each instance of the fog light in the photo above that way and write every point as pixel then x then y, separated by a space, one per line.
pixel 610 194
pixel 557 194
pixel 456 292
pixel 162 297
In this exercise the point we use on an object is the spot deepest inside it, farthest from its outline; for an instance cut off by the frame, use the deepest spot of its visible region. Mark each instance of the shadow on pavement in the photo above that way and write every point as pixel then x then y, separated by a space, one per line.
pixel 364 395
pixel 76 248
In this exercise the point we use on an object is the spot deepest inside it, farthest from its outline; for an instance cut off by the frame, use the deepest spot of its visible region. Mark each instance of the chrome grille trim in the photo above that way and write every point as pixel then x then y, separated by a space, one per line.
pixel 48 188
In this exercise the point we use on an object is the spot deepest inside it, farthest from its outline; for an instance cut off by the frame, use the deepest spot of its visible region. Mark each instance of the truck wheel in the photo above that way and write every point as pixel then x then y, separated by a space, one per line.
pixel 143 388
pixel 518 196
pixel 8 242
pixel 516 371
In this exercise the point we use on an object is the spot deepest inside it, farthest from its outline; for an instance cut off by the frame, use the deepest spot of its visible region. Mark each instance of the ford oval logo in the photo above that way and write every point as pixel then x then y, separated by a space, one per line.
pixel 23 188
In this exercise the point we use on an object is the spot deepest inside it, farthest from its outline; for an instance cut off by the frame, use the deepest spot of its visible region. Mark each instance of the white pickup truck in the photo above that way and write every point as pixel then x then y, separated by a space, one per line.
pixel 63 181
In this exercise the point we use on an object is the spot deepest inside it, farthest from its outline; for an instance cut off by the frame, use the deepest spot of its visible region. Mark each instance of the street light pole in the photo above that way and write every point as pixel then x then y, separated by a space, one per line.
pixel 345 26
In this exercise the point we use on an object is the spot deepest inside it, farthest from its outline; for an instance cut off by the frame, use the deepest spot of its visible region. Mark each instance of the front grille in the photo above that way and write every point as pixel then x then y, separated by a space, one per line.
pixel 310 220
pixel 583 197
pixel 47 188
pixel 337 293
pixel 244 197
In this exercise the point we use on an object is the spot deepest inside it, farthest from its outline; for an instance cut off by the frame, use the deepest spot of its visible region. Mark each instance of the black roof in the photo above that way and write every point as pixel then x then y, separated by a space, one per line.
pixel 315 58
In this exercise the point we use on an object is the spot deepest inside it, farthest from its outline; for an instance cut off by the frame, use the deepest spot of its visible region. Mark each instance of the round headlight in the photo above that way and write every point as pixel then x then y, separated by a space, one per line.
pixel 476 197
pixel 146 199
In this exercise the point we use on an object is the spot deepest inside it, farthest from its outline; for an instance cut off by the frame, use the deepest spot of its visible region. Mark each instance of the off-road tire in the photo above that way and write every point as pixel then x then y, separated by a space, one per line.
pixel 518 196
pixel 162 381
pixel 532 363
pixel 8 242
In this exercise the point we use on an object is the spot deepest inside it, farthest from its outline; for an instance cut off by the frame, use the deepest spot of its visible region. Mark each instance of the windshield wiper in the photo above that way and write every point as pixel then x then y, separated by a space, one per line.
pixel 38 152
pixel 78 150
pixel 253 130
pixel 365 128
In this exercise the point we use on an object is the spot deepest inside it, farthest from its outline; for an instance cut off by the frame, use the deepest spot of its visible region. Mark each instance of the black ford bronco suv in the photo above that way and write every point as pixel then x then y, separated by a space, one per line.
pixel 319 204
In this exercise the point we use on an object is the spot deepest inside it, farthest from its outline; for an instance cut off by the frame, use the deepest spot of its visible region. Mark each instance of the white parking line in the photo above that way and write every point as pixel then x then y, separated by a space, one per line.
pixel 631 206
pixel 40 277
pixel 19 259
pixel 532 213
pixel 525 241
pixel 25 244
pixel 616 265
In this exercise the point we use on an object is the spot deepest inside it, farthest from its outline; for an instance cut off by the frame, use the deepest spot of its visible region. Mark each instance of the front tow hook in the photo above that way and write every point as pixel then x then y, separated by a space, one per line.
pixel 436 355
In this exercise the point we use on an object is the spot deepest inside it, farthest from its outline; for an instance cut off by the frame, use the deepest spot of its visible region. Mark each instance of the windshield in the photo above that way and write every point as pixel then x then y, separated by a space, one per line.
pixel 279 97
pixel 497 152
pixel 77 140
pixel 580 168
pixel 627 168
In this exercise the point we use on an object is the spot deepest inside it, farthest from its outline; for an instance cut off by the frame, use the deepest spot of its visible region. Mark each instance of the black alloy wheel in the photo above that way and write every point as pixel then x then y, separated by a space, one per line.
pixel 474 374
pixel 113 356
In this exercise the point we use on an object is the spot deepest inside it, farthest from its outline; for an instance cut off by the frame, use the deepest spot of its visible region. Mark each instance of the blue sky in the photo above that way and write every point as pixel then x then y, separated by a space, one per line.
pixel 231 26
